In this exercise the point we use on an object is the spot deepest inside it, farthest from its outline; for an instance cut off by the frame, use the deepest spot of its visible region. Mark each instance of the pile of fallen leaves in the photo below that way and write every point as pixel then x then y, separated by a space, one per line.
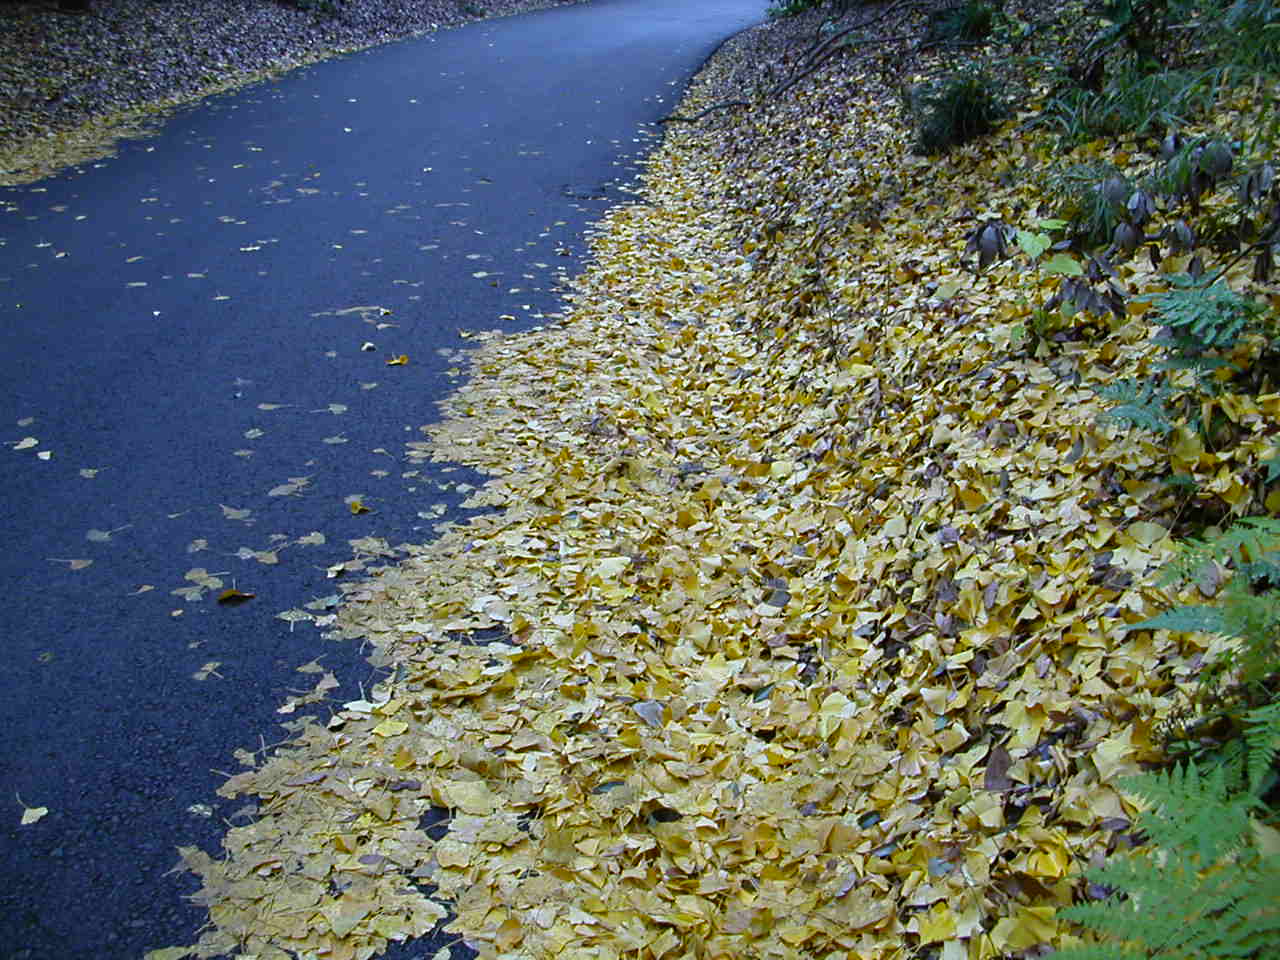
pixel 797 626
pixel 72 84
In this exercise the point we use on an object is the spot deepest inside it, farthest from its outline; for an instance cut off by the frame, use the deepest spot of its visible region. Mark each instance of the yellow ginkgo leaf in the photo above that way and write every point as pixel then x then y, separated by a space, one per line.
pixel 399 361
pixel 357 508
pixel 32 815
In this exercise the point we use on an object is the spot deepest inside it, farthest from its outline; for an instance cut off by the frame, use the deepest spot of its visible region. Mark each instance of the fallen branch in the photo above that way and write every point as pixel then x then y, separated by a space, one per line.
pixel 702 113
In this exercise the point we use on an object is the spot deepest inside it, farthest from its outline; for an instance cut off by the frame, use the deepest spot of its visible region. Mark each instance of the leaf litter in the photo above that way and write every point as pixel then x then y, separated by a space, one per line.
pixel 796 625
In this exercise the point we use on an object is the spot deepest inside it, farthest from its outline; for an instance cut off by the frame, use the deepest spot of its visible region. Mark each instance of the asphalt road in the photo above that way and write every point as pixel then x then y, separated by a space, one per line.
pixel 186 387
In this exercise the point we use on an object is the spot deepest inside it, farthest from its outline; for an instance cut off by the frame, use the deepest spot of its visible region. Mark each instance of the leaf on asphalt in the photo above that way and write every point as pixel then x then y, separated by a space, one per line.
pixel 313 539
pixel 104 536
pixel 399 361
pixel 210 669
pixel 291 488
pixel 236 513
pixel 357 507
pixel 232 597
pixel 75 563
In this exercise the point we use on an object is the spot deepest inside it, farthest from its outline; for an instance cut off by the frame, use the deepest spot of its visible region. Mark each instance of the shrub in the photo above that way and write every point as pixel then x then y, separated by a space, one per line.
pixel 1132 102
pixel 791 8
pixel 954 110
pixel 1248 35
pixel 970 22
pixel 1085 195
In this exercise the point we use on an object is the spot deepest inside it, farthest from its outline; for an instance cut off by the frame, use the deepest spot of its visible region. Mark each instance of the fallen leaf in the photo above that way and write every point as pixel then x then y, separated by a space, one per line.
pixel 32 815
pixel 77 563
pixel 232 597
pixel 210 669
pixel 399 361
pixel 104 536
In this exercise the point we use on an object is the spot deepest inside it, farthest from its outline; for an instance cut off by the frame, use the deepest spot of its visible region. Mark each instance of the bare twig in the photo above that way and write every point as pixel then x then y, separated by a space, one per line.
pixel 702 113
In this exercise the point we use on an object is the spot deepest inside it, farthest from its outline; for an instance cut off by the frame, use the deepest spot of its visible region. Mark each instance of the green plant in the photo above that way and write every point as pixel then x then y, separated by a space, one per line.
pixel 1091 197
pixel 1133 101
pixel 1139 404
pixel 1206 882
pixel 1248 35
pixel 791 8
pixel 1199 322
pixel 1248 610
pixel 968 22
pixel 1142 26
pixel 1202 318
pixel 954 110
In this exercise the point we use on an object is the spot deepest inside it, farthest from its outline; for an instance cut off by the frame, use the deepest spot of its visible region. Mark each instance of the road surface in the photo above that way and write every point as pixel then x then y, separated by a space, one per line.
pixel 195 340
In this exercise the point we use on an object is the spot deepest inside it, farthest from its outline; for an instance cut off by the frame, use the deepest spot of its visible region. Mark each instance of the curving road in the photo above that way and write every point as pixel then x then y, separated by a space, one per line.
pixel 194 386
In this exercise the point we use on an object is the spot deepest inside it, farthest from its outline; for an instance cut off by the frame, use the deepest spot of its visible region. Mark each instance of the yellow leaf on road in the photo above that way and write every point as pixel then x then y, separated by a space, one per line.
pixel 32 815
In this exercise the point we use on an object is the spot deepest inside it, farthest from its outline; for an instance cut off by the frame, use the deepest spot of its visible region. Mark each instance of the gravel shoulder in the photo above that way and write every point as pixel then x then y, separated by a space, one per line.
pixel 71 85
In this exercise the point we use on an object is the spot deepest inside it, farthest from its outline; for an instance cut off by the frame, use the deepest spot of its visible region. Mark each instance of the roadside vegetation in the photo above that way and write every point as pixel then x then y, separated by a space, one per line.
pixel 883 551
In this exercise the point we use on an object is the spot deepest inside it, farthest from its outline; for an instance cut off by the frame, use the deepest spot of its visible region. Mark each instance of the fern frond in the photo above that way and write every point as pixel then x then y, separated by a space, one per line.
pixel 1142 405
pixel 1193 811
pixel 1189 619
pixel 1251 543
pixel 1262 743
pixel 1255 619
pixel 1200 889
pixel 1211 317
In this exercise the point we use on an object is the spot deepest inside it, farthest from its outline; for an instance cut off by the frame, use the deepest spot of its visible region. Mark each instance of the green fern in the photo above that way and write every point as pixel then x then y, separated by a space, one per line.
pixel 1251 758
pixel 1246 610
pixel 1202 887
pixel 1139 404
pixel 1205 885
pixel 1204 318
pixel 1251 544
